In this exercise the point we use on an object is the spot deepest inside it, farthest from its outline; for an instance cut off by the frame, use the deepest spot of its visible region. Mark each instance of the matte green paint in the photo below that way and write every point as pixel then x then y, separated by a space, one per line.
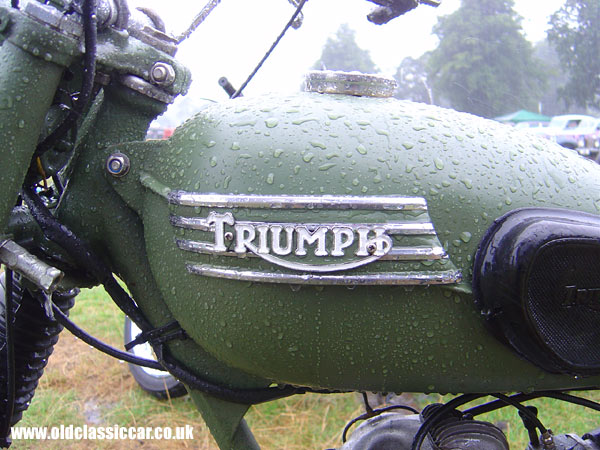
pixel 32 57
pixel 226 422
pixel 27 85
pixel 118 50
pixel 419 338
pixel 92 209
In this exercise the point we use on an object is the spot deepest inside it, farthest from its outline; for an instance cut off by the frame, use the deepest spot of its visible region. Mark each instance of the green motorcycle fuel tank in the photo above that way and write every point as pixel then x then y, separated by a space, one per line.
pixel 332 241
pixel 324 241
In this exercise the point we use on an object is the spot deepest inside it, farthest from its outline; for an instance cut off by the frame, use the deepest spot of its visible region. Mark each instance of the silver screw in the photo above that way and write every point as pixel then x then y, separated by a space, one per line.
pixel 162 74
pixel 228 236
pixel 118 165
pixel 371 249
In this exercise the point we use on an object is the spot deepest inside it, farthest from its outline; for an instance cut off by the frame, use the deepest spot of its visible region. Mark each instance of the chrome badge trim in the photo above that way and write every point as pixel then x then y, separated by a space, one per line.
pixel 184 198
pixel 405 235
pixel 379 279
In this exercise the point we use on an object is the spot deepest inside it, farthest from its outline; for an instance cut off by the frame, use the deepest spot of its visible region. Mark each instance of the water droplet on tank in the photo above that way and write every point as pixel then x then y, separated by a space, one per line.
pixel 326 167
pixel 272 122
pixel 468 183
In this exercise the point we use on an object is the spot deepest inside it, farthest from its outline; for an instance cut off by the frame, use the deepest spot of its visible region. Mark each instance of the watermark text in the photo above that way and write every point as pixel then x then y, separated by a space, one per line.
pixel 115 432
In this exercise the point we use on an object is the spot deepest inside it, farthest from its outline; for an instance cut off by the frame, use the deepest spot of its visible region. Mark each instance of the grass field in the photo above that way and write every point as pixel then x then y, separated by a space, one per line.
pixel 82 386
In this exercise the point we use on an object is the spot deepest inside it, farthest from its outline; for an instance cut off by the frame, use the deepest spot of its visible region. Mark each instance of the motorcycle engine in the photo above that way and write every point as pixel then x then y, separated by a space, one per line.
pixel 393 431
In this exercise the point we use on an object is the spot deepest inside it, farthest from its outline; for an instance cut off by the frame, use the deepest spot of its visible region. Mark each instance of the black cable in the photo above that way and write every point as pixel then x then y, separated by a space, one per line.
pixel 167 332
pixel 243 396
pixel 534 437
pixel 373 413
pixel 257 68
pixel 498 404
pixel 90 27
pixel 10 356
pixel 64 237
pixel 246 396
pixel 573 399
pixel 90 30
pixel 79 251
pixel 559 395
pixel 527 413
pixel 439 414
pixel 99 345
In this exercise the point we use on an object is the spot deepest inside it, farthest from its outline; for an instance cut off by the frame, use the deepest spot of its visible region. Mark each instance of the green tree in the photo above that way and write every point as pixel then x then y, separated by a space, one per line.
pixel 343 53
pixel 575 34
pixel 551 102
pixel 483 63
pixel 413 81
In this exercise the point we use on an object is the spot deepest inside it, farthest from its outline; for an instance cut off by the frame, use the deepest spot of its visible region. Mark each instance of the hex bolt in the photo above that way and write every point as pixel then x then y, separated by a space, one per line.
pixel 548 441
pixel 118 165
pixel 162 74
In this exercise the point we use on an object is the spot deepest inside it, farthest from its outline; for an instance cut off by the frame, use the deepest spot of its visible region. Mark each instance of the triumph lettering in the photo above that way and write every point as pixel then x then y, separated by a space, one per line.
pixel 300 239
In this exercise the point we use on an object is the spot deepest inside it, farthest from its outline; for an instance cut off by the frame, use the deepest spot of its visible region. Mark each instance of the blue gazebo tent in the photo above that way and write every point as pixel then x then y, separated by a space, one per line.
pixel 523 116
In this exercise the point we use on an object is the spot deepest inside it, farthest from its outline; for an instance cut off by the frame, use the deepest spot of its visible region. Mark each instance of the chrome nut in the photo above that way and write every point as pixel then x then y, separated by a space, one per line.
pixel 162 74
pixel 118 165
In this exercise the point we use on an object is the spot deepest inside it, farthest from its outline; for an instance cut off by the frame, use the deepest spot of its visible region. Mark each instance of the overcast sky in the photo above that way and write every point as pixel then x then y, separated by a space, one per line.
pixel 238 33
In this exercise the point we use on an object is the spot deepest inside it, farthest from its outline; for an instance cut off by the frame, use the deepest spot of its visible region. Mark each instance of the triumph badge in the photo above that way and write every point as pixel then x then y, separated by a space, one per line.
pixel 311 249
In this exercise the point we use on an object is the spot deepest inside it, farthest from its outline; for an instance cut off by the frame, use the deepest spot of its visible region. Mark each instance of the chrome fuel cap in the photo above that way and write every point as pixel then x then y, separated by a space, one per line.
pixel 349 83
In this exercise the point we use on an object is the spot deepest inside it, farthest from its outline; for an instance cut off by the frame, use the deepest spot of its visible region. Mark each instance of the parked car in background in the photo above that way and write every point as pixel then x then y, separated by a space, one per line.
pixel 592 139
pixel 533 126
pixel 573 131
pixel 156 132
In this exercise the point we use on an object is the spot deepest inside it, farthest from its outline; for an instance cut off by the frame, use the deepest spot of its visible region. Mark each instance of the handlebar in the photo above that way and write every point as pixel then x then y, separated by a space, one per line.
pixel 390 9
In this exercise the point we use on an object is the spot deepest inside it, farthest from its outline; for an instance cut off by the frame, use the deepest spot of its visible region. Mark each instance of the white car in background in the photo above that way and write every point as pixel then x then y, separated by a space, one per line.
pixel 571 131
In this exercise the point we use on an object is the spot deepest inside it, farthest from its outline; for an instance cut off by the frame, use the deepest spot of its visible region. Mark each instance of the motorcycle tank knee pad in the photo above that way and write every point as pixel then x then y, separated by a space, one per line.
pixel 537 280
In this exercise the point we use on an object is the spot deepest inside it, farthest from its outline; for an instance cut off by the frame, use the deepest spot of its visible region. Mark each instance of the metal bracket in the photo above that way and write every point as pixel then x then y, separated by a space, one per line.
pixel 38 272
